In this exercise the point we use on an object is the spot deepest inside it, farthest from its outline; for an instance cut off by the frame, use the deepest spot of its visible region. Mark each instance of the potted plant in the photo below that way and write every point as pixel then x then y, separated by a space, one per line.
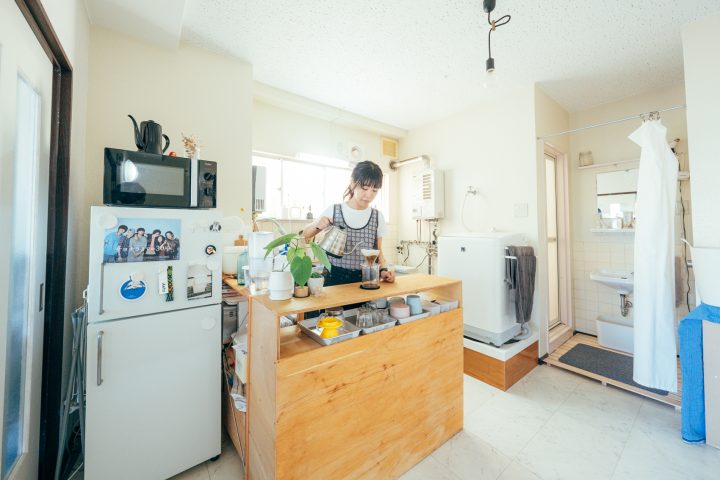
pixel 316 282
pixel 298 259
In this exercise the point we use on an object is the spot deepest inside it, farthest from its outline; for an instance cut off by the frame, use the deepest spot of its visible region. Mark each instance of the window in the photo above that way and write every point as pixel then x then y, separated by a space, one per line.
pixel 309 182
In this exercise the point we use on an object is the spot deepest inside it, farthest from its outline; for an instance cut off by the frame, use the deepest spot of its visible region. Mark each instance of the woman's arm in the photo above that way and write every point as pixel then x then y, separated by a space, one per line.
pixel 386 275
pixel 316 227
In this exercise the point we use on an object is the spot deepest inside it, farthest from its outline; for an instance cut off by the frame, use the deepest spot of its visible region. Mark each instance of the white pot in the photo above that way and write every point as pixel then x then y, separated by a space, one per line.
pixel 280 285
pixel 316 284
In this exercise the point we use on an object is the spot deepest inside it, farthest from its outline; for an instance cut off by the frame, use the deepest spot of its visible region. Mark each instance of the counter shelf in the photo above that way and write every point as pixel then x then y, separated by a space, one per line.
pixel 395 394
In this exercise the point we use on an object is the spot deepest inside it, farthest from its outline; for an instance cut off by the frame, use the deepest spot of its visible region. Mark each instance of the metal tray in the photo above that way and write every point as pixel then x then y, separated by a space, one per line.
pixel 346 331
pixel 376 328
pixel 412 318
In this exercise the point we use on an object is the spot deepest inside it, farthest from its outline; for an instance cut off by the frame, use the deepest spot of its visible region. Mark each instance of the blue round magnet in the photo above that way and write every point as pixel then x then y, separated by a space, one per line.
pixel 132 290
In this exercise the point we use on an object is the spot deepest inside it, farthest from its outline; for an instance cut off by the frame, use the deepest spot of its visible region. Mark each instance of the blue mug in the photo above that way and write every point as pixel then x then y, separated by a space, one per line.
pixel 415 304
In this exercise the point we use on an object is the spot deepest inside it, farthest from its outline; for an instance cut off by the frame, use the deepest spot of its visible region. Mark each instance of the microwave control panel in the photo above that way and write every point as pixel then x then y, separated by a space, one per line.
pixel 207 184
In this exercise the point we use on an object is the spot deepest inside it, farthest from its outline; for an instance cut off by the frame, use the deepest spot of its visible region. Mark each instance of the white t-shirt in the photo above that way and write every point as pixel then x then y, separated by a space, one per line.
pixel 357 218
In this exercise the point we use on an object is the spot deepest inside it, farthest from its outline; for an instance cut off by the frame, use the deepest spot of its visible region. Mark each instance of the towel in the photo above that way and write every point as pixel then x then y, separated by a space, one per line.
pixel 522 280
pixel 691 363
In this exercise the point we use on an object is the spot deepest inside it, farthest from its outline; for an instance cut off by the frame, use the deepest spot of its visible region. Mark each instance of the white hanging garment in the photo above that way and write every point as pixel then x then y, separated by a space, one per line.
pixel 655 361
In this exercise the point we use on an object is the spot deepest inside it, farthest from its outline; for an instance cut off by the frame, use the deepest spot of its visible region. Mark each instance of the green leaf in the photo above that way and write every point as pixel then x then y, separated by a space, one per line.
pixel 277 242
pixel 321 255
pixel 290 255
pixel 301 269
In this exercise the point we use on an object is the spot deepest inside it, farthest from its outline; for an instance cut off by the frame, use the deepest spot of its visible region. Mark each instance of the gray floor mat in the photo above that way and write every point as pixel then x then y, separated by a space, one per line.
pixel 604 362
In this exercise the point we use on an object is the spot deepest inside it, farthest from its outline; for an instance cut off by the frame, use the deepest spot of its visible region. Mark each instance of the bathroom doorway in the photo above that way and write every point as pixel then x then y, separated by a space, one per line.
pixel 558 247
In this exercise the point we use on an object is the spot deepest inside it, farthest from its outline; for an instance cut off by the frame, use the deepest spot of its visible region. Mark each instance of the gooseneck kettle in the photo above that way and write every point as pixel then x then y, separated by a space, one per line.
pixel 334 241
pixel 149 136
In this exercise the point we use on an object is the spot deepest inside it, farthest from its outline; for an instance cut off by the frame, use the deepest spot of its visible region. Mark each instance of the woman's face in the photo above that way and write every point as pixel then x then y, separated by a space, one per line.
pixel 364 195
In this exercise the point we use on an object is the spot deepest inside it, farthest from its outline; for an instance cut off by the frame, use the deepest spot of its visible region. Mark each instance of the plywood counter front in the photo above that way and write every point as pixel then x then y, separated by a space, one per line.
pixel 369 407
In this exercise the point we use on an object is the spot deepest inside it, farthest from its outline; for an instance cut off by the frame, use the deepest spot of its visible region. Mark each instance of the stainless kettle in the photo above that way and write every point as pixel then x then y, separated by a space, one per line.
pixel 335 240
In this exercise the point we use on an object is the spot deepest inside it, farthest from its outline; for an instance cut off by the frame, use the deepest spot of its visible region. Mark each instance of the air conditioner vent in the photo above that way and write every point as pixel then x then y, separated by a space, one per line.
pixel 390 148
pixel 427 186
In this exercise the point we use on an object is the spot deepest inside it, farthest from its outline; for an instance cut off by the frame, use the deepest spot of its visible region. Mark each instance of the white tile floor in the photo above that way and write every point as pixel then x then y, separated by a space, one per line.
pixel 552 424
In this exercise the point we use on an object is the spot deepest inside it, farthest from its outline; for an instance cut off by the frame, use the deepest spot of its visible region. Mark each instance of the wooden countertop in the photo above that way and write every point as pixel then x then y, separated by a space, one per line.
pixel 350 293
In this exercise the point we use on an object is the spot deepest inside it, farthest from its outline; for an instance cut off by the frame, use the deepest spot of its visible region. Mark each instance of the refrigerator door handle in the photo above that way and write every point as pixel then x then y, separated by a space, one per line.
pixel 102 289
pixel 99 357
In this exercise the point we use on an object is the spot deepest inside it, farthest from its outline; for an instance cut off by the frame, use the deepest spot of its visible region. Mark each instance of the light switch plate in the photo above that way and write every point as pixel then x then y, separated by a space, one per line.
pixel 521 210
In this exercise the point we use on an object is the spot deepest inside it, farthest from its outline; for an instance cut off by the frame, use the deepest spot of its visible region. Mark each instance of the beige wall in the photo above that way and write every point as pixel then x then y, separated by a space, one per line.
pixel 702 77
pixel 186 90
pixel 492 148
pixel 592 251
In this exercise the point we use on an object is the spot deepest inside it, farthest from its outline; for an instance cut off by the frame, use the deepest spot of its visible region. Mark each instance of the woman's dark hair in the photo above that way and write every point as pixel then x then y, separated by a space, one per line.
pixel 365 174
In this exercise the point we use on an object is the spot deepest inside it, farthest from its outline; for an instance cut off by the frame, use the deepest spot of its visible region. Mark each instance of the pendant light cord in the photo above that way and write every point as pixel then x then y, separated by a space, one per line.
pixel 504 20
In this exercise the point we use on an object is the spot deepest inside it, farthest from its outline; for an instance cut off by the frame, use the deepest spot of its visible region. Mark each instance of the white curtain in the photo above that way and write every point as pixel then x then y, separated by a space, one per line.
pixel 655 361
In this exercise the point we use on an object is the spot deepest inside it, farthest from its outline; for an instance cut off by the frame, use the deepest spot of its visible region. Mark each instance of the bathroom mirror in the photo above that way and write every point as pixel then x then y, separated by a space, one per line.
pixel 616 192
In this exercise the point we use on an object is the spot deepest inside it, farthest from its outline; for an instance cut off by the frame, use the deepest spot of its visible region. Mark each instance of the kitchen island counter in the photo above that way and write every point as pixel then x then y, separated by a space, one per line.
pixel 368 407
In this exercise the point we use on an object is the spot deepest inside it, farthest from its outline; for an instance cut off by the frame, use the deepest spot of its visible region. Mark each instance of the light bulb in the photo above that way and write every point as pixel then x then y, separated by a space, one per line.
pixel 491 76
pixel 491 80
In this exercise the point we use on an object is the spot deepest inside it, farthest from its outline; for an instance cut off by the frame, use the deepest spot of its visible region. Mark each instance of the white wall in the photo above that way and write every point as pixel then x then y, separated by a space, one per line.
pixel 281 131
pixel 592 251
pixel 702 77
pixel 492 148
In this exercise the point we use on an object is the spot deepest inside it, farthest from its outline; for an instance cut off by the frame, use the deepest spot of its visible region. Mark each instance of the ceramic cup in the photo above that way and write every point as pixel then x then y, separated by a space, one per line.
pixel 415 304
pixel 381 302
pixel 394 300
pixel 400 310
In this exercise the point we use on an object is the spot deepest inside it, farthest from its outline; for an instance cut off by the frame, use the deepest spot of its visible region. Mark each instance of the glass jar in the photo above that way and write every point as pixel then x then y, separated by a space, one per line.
pixel 370 277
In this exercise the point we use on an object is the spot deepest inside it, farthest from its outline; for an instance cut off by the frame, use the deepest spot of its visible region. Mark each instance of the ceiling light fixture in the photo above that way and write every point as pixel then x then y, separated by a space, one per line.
pixel 488 7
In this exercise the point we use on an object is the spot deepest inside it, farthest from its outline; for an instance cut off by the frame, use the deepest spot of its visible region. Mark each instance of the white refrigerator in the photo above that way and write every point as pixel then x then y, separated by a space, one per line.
pixel 153 371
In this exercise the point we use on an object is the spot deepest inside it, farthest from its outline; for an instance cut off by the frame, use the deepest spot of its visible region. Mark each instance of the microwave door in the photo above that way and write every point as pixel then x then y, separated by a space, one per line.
pixel 146 180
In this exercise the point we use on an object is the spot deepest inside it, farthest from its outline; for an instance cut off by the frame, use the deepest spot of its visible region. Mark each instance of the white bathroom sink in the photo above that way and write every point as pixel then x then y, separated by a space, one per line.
pixel 620 281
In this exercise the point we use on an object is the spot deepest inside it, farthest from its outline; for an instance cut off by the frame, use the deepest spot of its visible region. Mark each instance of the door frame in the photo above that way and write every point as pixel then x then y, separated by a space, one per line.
pixel 57 229
pixel 564 331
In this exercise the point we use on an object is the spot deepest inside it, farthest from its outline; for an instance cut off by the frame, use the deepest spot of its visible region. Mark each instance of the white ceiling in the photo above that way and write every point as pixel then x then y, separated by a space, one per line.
pixel 408 62
pixel 157 21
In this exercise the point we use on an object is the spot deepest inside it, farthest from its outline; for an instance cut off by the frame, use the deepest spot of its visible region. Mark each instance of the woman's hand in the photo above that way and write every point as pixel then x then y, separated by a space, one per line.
pixel 387 276
pixel 322 223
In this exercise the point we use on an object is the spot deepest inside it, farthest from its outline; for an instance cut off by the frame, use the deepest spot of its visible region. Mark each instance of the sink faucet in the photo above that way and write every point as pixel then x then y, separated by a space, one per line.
pixel 274 222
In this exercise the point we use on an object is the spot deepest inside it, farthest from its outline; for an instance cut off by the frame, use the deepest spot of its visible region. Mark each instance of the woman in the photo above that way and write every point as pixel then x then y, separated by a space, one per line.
pixel 160 248
pixel 362 223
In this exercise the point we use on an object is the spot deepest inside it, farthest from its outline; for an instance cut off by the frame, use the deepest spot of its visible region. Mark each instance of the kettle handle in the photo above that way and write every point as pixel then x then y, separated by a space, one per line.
pixel 167 142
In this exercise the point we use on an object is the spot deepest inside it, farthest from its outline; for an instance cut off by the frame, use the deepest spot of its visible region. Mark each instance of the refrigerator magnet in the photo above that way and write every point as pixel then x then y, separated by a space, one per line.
pixel 133 288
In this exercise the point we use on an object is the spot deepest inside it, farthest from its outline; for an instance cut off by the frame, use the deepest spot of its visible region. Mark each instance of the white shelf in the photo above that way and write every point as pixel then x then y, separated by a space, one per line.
pixel 634 161
pixel 612 230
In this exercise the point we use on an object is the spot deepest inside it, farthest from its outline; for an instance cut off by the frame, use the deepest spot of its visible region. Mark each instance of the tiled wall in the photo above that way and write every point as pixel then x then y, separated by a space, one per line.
pixel 615 251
